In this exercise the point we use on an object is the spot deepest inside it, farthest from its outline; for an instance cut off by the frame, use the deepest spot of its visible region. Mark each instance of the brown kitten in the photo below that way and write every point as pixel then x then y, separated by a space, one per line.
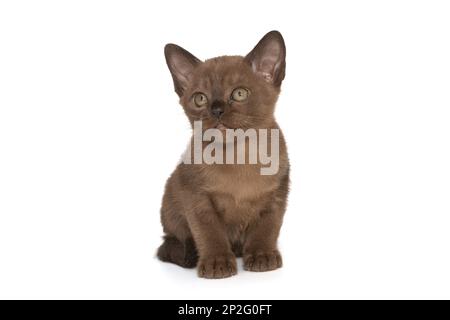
pixel 213 213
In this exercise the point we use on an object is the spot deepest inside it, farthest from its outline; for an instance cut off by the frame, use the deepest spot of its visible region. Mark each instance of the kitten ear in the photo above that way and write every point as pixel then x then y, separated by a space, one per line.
pixel 268 58
pixel 181 64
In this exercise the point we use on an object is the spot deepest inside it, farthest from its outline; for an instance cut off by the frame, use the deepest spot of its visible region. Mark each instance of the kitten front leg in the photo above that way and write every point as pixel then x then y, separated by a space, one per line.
pixel 260 247
pixel 216 259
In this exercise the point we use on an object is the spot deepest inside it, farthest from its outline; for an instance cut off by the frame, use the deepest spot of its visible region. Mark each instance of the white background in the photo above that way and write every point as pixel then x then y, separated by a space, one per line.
pixel 90 129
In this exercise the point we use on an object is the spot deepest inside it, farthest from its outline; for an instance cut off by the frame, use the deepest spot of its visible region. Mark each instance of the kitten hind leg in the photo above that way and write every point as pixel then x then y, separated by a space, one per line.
pixel 182 253
pixel 236 247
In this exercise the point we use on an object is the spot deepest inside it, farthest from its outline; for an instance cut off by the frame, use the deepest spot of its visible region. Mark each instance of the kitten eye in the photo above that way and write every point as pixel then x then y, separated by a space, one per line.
pixel 200 99
pixel 240 94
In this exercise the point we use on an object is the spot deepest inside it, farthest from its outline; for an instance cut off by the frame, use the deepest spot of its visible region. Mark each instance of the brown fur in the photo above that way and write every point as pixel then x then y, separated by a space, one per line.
pixel 213 213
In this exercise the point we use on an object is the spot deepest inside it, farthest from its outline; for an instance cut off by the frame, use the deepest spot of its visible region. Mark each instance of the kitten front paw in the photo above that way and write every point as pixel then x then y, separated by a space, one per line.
pixel 217 267
pixel 262 261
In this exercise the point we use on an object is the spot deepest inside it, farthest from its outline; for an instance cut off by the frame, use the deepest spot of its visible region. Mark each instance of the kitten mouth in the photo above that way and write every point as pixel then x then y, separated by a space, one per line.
pixel 221 126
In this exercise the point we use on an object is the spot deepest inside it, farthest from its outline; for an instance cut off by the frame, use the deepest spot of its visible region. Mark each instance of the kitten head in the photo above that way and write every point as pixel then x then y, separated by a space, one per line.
pixel 230 91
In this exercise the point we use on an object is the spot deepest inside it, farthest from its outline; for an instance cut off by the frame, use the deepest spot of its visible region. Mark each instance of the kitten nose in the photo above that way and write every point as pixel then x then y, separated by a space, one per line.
pixel 217 109
pixel 217 113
